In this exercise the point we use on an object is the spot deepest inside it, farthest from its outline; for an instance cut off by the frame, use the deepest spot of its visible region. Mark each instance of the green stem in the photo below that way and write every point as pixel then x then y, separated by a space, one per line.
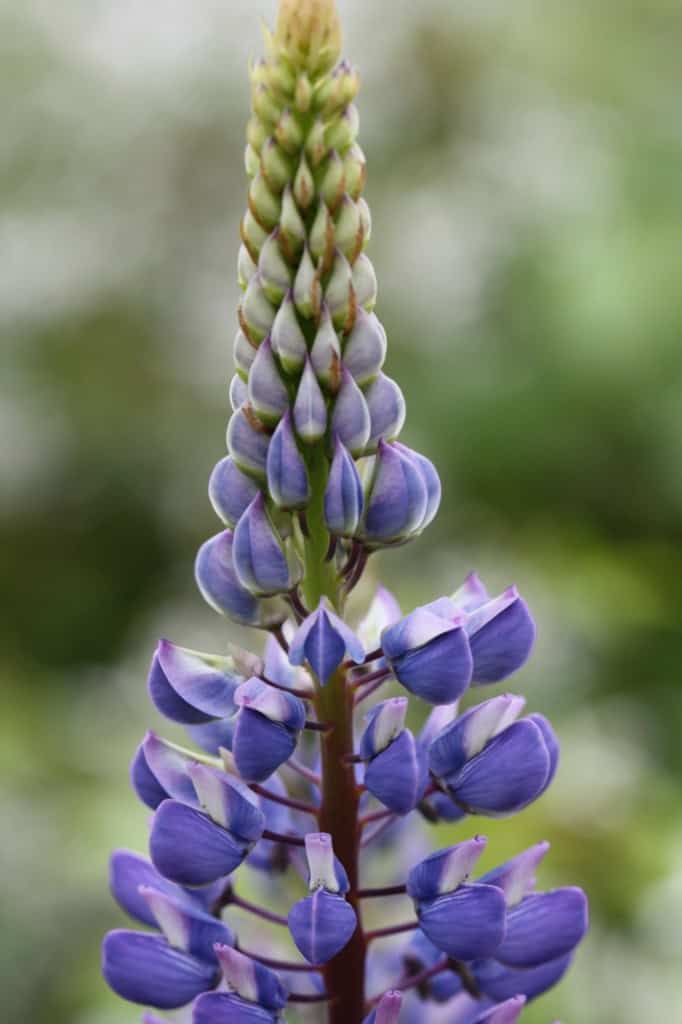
pixel 320 578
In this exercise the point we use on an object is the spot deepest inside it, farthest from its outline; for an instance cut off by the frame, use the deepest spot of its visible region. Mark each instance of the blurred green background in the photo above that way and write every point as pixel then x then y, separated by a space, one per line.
pixel 526 184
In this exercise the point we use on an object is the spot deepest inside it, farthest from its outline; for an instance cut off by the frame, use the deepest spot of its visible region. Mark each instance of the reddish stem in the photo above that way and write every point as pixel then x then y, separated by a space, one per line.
pixel 278 837
pixel 286 801
pixel 394 929
pixel 389 890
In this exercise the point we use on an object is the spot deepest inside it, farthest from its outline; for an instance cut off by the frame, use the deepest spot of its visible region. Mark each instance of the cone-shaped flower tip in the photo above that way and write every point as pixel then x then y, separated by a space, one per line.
pixel 187 847
pixel 309 33
pixel 144 969
pixel 321 925
pixel 323 640
pixel 260 560
pixel 251 980
pixel 189 687
pixel 506 1013
pixel 343 499
pixel 430 656
pixel 388 1010
pixel 288 483
pixel 500 982
pixel 221 588
pixel 325 870
pixel 230 491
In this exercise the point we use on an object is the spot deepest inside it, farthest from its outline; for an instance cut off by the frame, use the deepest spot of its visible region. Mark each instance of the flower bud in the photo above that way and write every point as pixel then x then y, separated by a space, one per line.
pixel 332 181
pixel 343 497
pixel 340 294
pixel 325 871
pixel 288 483
pixel 244 354
pixel 325 355
pixel 315 145
pixel 351 422
pixel 324 640
pixel 220 586
pixel 322 240
pixel 256 133
pixel 365 350
pixel 275 274
pixel 292 228
pixel 307 288
pixel 397 499
pixel 267 391
pixel 261 562
pixel 230 491
pixel 189 687
pixel 309 34
pixel 348 230
pixel 246 267
pixel 310 408
pixel 143 968
pixel 276 165
pixel 431 481
pixel 429 656
pixel 247 442
pixel 254 982
pixel 342 132
pixel 264 204
pixel 170 767
pixel 365 283
pixel 289 133
pixel 304 185
pixel 287 338
pixel 304 94
pixel 398 775
pixel 264 106
pixel 145 784
pixel 386 409
pixel 257 313
pixel 238 392
pixel 506 1013
pixel 355 172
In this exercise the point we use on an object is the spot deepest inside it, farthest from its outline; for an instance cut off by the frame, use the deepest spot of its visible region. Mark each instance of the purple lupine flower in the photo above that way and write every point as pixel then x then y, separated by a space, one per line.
pixel 287 775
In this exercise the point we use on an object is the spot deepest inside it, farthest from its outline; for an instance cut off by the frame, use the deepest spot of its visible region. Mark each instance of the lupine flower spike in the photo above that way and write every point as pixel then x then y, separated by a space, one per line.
pixel 289 770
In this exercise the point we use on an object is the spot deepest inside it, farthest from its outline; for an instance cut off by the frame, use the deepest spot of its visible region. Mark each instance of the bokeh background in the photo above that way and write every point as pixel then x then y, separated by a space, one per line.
pixel 526 184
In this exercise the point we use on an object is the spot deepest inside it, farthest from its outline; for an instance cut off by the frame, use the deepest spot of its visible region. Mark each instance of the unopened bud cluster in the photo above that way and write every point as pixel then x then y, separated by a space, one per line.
pixel 286 773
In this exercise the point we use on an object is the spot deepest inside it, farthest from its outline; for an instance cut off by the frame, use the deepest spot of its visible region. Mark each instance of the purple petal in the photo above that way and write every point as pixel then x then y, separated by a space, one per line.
pixel 471 595
pixel 288 484
pixel 251 980
pixel 501 634
pixel 445 870
pixel 467 924
pixel 310 408
pixel 325 354
pixel 186 927
pixel 230 491
pixel 505 1013
pixel 213 735
pixel 365 350
pixel 204 682
pixel 397 777
pixel 516 877
pixel 144 969
pixel 384 611
pixel 144 782
pixel 260 746
pixel 321 925
pixel 469 734
pixel 323 640
pixel 188 848
pixel 343 497
pixel 277 705
pixel 500 982
pixel 168 701
pixel 171 768
pixel 351 422
pixel 385 722
pixel 287 338
pixel 388 1010
pixel 543 927
pixel 440 671
pixel 229 803
pixel 386 406
pixel 127 872
pixel 551 742
pixel 247 443
pixel 260 561
pixel 267 390
pixel 509 774
pixel 397 499
pixel 434 490
pixel 225 1008
pixel 219 584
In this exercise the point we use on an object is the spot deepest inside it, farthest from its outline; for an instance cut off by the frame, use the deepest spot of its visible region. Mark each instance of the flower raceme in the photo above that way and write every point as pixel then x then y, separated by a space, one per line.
pixel 290 769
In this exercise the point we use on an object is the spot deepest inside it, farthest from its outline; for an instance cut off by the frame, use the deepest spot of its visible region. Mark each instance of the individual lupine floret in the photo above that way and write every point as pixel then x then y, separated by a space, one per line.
pixel 288 483
pixel 262 563
pixel 365 350
pixel 254 994
pixel 267 729
pixel 402 497
pixel 322 923
pixel 429 655
pixel 351 422
pixel 396 772
pixel 465 921
pixel 324 640
pixel 387 411
pixel 230 491
pixel 491 764
pixel 422 956
pixel 171 966
pixel 194 847
pixel 542 927
pixel 190 687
